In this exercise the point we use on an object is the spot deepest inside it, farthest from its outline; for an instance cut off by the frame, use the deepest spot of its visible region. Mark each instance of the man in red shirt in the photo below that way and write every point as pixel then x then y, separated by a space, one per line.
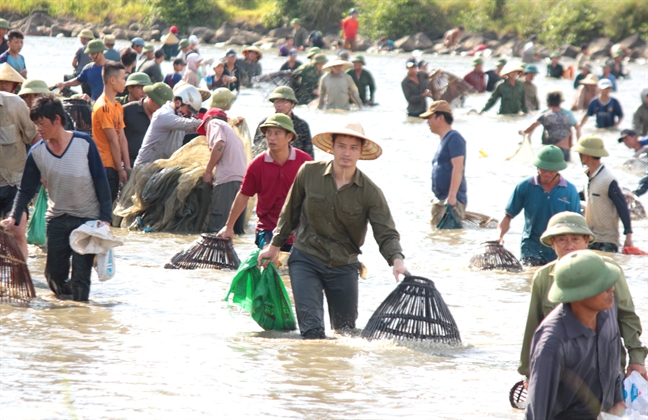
pixel 350 27
pixel 270 175
pixel 477 78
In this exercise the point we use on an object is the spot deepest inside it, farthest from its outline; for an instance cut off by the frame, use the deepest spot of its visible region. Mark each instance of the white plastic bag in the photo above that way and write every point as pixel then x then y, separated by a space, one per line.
pixel 94 237
pixel 635 393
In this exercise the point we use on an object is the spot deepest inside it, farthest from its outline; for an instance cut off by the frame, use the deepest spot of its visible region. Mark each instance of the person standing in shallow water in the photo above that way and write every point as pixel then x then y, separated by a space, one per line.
pixel 330 204
pixel 510 92
pixel 415 89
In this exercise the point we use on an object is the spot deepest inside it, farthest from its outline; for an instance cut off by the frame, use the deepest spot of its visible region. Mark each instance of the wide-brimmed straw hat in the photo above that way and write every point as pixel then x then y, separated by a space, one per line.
pixel 550 158
pixel 370 149
pixel 345 65
pixel 591 146
pixel 510 68
pixel 169 39
pixel 590 79
pixel 9 74
pixel 34 87
pixel 582 275
pixel 252 48
pixel 564 223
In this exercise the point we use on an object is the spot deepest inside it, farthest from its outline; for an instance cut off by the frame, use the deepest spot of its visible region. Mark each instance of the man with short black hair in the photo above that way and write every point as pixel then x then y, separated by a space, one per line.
pixel 12 56
pixel 92 73
pixel 448 166
pixel 152 67
pixel 632 140
pixel 284 49
pixel 128 58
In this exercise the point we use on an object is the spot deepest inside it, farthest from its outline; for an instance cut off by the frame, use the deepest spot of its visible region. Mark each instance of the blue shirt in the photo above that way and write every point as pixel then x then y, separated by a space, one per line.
pixel 452 145
pixel 605 113
pixel 92 75
pixel 643 141
pixel 18 64
pixel 173 78
pixel 112 55
pixel 539 206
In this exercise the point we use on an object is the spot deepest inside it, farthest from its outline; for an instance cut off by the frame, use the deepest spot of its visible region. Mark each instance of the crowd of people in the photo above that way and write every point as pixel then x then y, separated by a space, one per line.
pixel 320 211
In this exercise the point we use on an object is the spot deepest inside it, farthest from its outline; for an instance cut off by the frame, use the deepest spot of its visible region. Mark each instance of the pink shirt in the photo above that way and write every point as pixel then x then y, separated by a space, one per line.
pixel 233 163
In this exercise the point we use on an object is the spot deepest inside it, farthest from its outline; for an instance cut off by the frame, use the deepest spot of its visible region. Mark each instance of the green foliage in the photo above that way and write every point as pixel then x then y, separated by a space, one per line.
pixel 314 14
pixel 397 18
pixel 571 22
pixel 185 13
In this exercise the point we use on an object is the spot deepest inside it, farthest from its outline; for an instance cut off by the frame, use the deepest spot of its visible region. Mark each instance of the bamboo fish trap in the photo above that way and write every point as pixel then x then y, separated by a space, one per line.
pixel 415 310
pixel 637 210
pixel 207 252
pixel 81 113
pixel 448 87
pixel 15 281
pixel 477 220
pixel 518 396
pixel 495 257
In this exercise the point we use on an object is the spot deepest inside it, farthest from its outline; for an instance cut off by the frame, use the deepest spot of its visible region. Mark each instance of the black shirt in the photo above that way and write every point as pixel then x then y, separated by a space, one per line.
pixel 137 122
pixel 493 78
pixel 4 45
pixel 286 66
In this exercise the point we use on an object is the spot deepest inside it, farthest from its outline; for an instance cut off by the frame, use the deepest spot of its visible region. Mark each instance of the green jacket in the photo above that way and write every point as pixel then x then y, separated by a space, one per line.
pixel 332 224
pixel 513 98
pixel 540 306
pixel 365 81
pixel 307 81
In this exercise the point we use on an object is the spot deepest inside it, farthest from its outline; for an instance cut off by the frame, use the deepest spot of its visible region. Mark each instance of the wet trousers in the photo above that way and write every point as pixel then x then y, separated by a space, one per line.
pixel 439 209
pixel 604 246
pixel 57 267
pixel 310 277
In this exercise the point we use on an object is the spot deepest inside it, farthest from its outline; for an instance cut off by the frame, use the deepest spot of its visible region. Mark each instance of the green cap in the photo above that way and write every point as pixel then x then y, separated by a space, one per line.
pixel 283 92
pixel 550 158
pixel 477 60
pixel 95 46
pixel 313 51
pixel 34 86
pixel 295 21
pixel 501 62
pixel 564 223
pixel 358 59
pixel 554 55
pixel 530 68
pixel 591 146
pixel 279 120
pixel 148 47
pixel 320 58
pixel 138 79
pixel 161 93
pixel 222 98
pixel 582 275
pixel 619 53
pixel 183 43
pixel 86 33
pixel 4 24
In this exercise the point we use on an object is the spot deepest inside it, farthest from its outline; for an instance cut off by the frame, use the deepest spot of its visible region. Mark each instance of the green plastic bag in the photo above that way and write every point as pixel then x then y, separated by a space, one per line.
pixel 263 295
pixel 449 219
pixel 36 229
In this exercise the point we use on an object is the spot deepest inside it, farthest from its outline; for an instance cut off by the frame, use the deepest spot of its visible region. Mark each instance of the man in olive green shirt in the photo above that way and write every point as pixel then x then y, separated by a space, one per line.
pixel 510 92
pixel 363 80
pixel 308 76
pixel 329 204
pixel 568 232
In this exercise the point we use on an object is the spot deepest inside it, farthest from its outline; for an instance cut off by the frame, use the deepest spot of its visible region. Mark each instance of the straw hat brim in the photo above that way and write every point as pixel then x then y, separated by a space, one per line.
pixel 170 39
pixel 204 94
pixel 9 74
pixel 253 49
pixel 345 65
pixel 511 68
pixel 370 150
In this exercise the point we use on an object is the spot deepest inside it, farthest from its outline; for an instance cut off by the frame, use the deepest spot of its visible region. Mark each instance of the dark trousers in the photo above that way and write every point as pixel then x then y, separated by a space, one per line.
pixel 113 183
pixel 264 237
pixel 309 277
pixel 604 246
pixel 57 267
pixel 223 196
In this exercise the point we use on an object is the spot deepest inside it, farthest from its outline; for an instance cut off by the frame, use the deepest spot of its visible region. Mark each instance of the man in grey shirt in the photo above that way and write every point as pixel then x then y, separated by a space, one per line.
pixel 152 67
pixel 337 88
pixel 575 351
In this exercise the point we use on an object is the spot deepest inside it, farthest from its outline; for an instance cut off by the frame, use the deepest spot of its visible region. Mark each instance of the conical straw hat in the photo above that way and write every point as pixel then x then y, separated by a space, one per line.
pixel 8 74
pixel 370 149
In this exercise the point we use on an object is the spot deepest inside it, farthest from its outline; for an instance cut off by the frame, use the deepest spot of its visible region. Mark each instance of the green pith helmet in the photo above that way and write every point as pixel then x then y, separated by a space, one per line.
pixel 313 51
pixel 320 58
pixel 501 62
pixel 295 21
pixel 283 92
pixel 34 87
pixel 530 68
pixel 222 98
pixel 554 55
pixel 95 46
pixel 591 146
pixel 582 275
pixel 160 93
pixel 183 43
pixel 564 223
pixel 138 79
pixel 148 47
pixel 4 24
pixel 550 158
pixel 279 120
pixel 358 59
pixel 86 33
pixel 478 60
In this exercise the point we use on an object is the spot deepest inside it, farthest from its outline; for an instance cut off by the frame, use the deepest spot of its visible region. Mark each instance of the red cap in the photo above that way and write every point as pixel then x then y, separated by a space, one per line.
pixel 173 29
pixel 212 113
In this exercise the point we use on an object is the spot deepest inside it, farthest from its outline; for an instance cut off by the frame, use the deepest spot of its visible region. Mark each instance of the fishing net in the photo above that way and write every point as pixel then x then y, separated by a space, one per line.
pixel 449 219
pixel 207 252
pixel 518 396
pixel 495 257
pixel 524 153
pixel 415 310
pixel 637 210
pixel 81 113
pixel 477 220
pixel 169 195
pixel 263 295
pixel 268 82
pixel 448 87
pixel 15 281
pixel 637 165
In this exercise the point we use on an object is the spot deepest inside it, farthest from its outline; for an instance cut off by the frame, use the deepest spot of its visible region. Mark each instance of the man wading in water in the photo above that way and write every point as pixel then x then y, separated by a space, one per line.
pixel 330 204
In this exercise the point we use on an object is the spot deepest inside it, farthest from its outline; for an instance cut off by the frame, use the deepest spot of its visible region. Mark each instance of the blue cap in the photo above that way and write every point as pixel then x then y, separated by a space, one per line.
pixel 137 41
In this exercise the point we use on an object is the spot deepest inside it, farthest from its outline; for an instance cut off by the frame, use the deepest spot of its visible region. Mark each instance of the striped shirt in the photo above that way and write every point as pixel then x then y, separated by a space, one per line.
pixel 76 181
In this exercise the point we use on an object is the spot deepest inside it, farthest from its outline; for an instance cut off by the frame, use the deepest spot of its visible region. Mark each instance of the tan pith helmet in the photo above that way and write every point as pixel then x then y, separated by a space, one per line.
pixel 591 146
pixel 564 223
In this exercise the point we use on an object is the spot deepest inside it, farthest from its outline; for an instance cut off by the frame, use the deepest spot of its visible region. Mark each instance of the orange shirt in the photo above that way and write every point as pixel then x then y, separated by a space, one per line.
pixel 350 27
pixel 106 114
